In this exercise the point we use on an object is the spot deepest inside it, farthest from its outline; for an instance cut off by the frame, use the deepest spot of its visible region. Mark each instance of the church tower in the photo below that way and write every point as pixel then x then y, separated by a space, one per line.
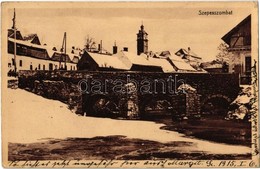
pixel 142 41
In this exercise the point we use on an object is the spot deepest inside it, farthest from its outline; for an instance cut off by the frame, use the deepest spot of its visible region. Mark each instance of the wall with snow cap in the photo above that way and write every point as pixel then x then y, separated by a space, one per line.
pixel 63 86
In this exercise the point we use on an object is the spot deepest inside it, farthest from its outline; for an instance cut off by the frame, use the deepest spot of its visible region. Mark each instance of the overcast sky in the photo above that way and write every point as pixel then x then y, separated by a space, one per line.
pixel 168 27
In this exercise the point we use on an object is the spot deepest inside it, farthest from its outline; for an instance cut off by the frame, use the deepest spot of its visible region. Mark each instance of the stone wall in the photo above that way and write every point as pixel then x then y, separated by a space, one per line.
pixel 63 86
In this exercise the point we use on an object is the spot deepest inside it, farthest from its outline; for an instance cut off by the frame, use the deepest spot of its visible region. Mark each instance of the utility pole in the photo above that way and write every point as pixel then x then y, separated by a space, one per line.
pixel 65 44
pixel 14 28
pixel 64 54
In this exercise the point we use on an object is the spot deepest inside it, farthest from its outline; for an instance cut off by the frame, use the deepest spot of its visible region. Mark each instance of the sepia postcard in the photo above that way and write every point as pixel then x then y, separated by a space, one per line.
pixel 130 84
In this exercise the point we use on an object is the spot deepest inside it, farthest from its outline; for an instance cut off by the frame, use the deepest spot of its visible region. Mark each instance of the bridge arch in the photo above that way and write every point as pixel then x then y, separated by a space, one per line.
pixel 152 106
pixel 101 105
pixel 215 104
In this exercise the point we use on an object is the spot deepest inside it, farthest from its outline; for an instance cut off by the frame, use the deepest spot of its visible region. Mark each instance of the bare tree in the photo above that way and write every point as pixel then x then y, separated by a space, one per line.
pixel 224 55
pixel 89 44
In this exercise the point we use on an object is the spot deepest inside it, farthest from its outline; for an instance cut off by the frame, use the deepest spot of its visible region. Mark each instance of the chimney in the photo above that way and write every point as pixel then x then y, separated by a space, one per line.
pixel 99 47
pixel 114 48
pixel 125 49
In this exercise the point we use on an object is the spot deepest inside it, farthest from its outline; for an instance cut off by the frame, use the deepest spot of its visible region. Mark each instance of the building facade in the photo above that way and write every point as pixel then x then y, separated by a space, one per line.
pixel 239 42
pixel 27 53
pixel 29 56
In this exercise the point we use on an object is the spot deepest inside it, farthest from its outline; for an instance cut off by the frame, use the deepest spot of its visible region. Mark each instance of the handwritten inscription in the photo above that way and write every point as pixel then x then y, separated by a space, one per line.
pixel 133 164
pixel 254 112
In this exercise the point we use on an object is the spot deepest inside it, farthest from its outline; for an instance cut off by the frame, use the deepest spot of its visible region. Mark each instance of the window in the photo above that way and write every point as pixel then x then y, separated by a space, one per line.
pixel 39 66
pixel 43 67
pixel 248 65
pixel 9 64
pixel 31 67
pixel 21 63
pixel 50 66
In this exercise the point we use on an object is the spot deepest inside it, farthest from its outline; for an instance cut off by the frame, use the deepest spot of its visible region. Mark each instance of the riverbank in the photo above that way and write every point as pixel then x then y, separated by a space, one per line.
pixel 213 128
pixel 113 147
pixel 46 128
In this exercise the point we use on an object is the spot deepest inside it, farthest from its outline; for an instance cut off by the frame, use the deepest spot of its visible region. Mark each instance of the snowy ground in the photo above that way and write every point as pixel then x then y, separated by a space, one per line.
pixel 32 118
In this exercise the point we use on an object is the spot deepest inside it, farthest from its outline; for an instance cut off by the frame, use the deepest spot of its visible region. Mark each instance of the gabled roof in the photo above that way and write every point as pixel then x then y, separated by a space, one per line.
pixel 227 36
pixel 29 37
pixel 75 59
pixel 36 47
pixel 184 52
pixel 60 57
pixel 108 61
pixel 211 64
pixel 18 34
pixel 162 62
pixel 165 53
pixel 180 64
pixel 33 38
pixel 52 49
pixel 134 59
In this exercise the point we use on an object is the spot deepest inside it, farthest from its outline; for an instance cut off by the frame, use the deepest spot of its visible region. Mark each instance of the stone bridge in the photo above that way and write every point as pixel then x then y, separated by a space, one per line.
pixel 134 94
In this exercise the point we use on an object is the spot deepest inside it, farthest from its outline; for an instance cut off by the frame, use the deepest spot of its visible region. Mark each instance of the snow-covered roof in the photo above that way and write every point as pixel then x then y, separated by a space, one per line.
pixel 108 61
pixel 27 43
pixel 60 57
pixel 130 58
pixel 180 64
pixel 187 53
pixel 51 51
pixel 75 59
pixel 29 37
pixel 212 64
pixel 163 63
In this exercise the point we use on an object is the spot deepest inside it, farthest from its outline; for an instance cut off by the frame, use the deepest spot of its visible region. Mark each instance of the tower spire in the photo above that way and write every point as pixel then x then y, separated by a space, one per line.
pixel 142 26
pixel 142 41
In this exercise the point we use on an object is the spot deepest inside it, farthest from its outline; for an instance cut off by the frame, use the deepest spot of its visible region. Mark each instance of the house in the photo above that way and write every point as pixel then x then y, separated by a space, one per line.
pixel 18 34
pixel 177 63
pixel 162 62
pixel 62 61
pixel 239 42
pixel 27 53
pixel 95 61
pixel 190 57
pixel 28 56
pixel 188 54
pixel 180 65
pixel 215 66
pixel 32 38
pixel 138 63
pixel 121 61
pixel 35 57
pixel 75 59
